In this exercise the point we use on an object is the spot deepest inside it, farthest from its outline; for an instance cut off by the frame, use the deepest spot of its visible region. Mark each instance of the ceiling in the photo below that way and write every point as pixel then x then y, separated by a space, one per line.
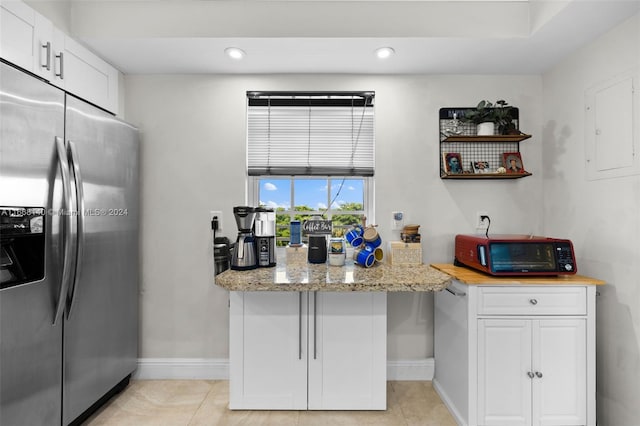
pixel 334 36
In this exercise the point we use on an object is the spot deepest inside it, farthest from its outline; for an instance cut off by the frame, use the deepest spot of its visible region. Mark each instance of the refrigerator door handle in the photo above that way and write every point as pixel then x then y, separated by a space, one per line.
pixel 75 166
pixel 67 236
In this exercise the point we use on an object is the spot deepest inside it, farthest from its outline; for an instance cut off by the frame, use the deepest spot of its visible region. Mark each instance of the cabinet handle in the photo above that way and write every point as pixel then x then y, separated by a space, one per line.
pixel 315 317
pixel 530 374
pixel 533 301
pixel 456 292
pixel 48 49
pixel 538 374
pixel 299 325
pixel 60 74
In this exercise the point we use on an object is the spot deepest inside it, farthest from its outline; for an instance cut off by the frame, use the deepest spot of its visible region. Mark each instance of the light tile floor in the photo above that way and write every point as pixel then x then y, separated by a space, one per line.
pixel 204 402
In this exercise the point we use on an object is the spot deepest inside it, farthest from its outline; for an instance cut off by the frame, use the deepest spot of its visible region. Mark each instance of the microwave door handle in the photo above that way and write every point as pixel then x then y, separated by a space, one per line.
pixel 67 236
pixel 482 255
pixel 79 223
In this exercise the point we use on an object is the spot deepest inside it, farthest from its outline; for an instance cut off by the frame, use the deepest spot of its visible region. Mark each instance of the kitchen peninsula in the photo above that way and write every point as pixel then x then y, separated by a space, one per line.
pixel 313 336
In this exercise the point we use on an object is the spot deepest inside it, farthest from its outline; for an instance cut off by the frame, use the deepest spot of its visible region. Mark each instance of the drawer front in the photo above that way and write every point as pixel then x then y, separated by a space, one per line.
pixel 532 301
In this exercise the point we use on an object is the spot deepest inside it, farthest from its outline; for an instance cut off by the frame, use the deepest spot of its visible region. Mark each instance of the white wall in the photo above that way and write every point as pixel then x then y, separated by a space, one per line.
pixel 57 11
pixel 193 161
pixel 602 217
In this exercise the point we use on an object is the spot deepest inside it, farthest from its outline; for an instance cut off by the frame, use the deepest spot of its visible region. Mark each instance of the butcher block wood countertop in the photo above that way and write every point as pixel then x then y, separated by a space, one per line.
pixel 472 277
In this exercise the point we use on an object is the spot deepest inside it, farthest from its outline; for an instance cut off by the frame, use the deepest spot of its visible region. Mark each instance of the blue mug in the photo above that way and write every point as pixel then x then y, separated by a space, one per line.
pixel 365 258
pixel 378 254
pixel 354 237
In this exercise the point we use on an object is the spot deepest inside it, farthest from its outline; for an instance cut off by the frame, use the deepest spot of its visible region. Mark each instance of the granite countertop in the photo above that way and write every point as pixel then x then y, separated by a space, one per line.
pixel 302 276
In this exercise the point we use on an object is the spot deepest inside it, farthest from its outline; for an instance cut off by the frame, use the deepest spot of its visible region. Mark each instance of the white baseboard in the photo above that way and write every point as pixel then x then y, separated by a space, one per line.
pixel 449 404
pixel 419 369
pixel 182 368
pixel 218 369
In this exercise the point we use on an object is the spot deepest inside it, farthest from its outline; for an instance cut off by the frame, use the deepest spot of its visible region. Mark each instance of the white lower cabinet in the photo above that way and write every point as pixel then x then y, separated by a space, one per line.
pixel 516 355
pixel 308 350
pixel 531 372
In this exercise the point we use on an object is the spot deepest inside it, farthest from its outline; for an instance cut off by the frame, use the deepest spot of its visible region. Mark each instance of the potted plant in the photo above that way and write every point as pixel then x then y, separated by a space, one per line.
pixel 502 116
pixel 482 117
pixel 487 115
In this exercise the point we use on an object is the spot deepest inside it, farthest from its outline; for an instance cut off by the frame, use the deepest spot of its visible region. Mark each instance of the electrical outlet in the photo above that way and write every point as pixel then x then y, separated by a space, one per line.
pixel 397 220
pixel 218 214
pixel 481 224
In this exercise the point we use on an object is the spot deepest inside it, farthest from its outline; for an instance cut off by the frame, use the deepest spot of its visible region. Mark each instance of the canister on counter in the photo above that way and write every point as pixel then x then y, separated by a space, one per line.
pixel 337 251
pixel 294 232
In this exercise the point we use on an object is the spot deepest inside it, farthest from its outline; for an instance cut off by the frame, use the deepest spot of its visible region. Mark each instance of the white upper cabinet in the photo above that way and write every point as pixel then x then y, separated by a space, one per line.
pixel 88 76
pixel 32 42
pixel 18 34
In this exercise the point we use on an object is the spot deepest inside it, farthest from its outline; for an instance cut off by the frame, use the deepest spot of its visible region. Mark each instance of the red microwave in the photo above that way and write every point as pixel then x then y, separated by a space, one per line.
pixel 515 255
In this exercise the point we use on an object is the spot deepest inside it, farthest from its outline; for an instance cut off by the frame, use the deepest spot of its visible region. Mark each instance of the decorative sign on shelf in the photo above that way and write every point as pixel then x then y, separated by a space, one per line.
pixel 317 226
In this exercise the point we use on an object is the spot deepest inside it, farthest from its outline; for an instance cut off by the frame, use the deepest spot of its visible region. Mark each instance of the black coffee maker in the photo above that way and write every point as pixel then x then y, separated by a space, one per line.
pixel 221 254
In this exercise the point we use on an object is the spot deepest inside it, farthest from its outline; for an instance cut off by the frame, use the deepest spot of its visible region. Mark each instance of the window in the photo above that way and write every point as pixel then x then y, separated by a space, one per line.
pixel 311 154
pixel 344 200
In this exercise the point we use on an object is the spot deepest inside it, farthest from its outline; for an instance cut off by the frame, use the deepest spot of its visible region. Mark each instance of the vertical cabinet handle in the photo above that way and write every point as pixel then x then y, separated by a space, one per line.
pixel 299 325
pixel 315 328
pixel 533 301
pixel 47 48
pixel 60 57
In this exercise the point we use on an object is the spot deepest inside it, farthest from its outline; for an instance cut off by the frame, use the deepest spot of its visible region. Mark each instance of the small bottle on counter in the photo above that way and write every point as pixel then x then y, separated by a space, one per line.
pixel 294 232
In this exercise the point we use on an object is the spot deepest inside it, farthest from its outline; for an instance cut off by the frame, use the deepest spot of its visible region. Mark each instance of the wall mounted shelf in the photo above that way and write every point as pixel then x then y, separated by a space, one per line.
pixel 459 138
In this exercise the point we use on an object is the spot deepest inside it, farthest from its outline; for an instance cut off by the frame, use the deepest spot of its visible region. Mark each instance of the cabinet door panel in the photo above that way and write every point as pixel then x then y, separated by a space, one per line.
pixel 504 360
pixel 347 357
pixel 89 77
pixel 560 394
pixel 268 339
pixel 17 34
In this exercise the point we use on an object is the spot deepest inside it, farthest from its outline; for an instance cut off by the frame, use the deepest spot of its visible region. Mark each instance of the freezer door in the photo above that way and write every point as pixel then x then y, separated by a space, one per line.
pixel 101 330
pixel 32 116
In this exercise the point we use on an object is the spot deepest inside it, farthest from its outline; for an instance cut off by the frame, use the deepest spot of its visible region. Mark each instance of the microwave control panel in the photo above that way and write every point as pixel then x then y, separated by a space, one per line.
pixel 564 254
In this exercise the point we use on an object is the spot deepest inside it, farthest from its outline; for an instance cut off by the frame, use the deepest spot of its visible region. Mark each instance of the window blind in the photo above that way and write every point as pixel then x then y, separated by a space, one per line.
pixel 319 133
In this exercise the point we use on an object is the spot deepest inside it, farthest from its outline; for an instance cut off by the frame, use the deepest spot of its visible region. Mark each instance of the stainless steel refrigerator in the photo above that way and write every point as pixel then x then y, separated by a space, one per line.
pixel 69 208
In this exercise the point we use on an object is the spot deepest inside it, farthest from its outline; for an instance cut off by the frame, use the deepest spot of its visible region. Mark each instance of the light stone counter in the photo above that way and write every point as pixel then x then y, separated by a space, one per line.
pixel 302 276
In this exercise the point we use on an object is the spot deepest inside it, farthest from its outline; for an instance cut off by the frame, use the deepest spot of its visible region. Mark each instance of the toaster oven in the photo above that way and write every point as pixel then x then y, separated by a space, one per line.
pixel 515 255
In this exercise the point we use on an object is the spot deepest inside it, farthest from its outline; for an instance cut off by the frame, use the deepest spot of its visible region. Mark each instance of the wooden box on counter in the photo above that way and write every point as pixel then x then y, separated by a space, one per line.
pixel 297 254
pixel 401 253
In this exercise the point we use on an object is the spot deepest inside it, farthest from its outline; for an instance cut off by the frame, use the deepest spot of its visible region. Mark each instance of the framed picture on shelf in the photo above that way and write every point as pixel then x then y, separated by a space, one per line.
pixel 480 167
pixel 452 162
pixel 512 161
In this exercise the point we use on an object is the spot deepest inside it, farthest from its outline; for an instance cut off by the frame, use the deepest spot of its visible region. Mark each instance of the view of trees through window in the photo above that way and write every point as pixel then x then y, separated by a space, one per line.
pixel 338 199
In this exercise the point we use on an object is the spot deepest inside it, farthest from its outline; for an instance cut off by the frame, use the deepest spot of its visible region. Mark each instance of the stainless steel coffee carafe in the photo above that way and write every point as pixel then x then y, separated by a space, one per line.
pixel 244 252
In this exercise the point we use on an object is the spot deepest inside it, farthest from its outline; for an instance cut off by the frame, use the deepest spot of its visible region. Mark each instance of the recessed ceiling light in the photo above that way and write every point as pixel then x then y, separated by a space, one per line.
pixel 384 52
pixel 234 53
